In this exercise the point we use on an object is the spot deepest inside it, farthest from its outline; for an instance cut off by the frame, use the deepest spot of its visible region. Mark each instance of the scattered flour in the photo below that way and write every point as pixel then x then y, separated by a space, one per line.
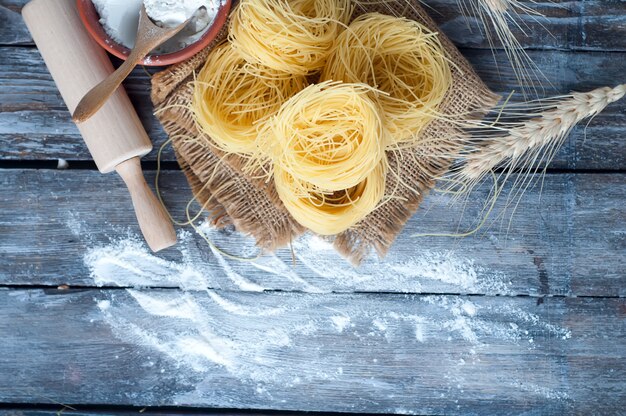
pixel 237 309
pixel 541 391
pixel 403 411
pixel 177 307
pixel 74 224
pixel 418 321
pixel 266 340
pixel 128 262
pixel 340 322
pixel 62 164
pixel 239 280
pixel 398 275
pixel 318 268
pixel 204 334
pixel 200 337
pixel 120 19
pixel 512 324
pixel 380 324
pixel 104 305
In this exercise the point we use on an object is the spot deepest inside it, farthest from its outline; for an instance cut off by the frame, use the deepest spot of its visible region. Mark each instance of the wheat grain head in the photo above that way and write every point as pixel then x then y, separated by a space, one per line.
pixel 557 118
pixel 524 139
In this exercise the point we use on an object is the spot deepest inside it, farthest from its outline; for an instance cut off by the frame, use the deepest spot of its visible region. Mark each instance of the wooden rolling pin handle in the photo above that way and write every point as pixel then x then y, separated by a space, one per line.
pixel 154 222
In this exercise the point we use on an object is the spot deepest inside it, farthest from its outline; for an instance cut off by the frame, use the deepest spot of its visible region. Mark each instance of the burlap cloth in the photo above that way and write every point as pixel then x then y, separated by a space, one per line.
pixel 254 207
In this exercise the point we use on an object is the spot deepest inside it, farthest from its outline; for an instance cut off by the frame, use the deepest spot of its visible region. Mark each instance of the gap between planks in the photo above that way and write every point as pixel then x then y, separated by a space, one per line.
pixel 575 25
pixel 567 245
pixel 49 409
pixel 55 290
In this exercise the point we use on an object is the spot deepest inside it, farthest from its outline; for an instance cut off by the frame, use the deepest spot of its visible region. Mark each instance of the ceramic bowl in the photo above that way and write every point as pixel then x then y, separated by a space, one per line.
pixel 91 20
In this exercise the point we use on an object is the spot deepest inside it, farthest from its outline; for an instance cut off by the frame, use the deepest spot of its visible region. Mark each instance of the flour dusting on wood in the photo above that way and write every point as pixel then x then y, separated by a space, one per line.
pixel 316 268
pixel 275 341
pixel 261 338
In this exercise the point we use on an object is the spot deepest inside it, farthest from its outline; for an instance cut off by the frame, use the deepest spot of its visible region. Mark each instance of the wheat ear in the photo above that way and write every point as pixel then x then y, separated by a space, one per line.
pixel 532 137
pixel 524 138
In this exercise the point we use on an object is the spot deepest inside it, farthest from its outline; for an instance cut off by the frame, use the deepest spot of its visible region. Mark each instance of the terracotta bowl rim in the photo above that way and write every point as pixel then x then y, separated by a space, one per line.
pixel 91 21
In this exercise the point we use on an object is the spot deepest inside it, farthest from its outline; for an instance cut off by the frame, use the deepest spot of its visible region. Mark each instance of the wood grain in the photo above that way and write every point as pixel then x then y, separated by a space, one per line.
pixel 50 410
pixel 504 356
pixel 571 25
pixel 34 121
pixel 566 239
pixel 12 29
pixel 574 25
pixel 35 125
pixel 539 329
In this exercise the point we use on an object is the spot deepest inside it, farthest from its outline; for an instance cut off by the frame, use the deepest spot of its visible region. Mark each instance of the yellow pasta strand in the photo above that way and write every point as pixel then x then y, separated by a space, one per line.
pixel 293 36
pixel 331 213
pixel 400 57
pixel 329 135
pixel 231 97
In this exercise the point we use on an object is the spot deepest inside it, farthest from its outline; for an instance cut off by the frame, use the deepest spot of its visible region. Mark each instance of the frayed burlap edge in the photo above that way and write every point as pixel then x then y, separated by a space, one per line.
pixel 421 165
pixel 220 188
pixel 253 206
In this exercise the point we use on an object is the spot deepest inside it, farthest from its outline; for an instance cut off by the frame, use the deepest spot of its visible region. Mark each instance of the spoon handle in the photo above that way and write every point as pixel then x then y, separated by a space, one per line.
pixel 98 95
pixel 149 36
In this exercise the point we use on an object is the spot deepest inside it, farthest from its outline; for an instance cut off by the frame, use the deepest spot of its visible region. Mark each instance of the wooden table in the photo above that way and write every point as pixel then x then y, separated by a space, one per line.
pixel 528 317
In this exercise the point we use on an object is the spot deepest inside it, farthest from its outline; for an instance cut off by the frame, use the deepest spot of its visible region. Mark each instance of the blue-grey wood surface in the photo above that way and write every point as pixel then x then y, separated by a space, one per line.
pixel 538 325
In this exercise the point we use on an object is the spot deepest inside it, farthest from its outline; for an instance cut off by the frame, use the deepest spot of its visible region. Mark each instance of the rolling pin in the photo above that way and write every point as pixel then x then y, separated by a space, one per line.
pixel 114 136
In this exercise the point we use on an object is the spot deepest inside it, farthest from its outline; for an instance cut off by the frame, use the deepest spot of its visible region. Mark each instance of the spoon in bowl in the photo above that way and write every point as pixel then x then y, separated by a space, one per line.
pixel 149 36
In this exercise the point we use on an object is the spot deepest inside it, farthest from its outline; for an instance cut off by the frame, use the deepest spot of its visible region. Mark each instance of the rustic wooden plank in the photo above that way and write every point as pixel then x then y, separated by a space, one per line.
pixel 13 31
pixel 35 125
pixel 81 410
pixel 287 351
pixel 575 25
pixel 564 240
pixel 34 122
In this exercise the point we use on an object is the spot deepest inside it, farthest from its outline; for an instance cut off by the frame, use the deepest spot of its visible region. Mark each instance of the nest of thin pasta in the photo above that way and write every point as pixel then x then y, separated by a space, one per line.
pixel 323 146
pixel 231 97
pixel 290 36
pixel 400 57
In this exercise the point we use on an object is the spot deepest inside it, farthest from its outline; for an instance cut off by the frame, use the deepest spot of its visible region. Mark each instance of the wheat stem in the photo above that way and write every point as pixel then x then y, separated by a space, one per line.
pixel 500 18
pixel 498 6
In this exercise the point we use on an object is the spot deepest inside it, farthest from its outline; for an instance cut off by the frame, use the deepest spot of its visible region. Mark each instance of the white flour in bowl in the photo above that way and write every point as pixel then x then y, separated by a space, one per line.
pixel 120 19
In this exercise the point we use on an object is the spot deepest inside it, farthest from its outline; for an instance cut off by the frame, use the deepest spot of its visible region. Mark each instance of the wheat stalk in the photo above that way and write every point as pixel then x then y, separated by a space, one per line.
pixel 496 17
pixel 499 6
pixel 499 17
pixel 532 137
